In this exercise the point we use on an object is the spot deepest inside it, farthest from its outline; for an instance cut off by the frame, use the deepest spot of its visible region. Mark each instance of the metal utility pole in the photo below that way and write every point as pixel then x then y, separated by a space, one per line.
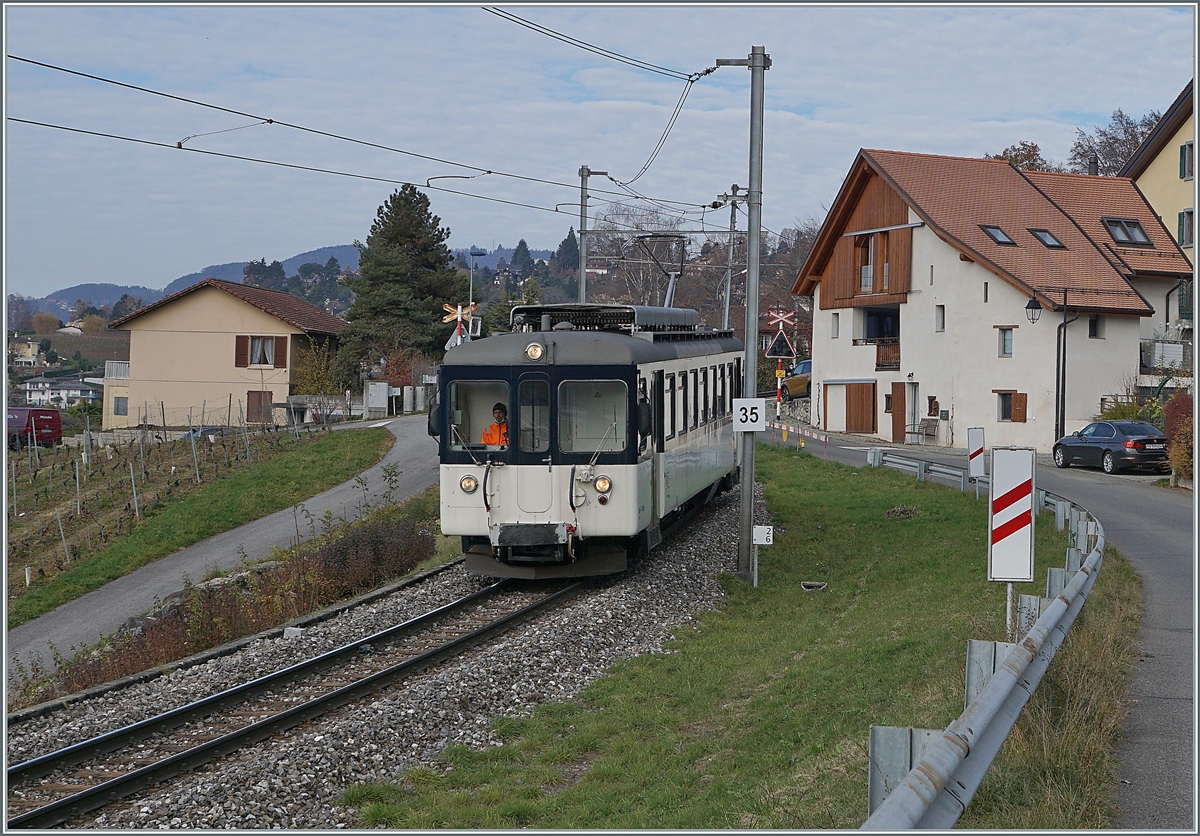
pixel 759 62
pixel 731 199
pixel 584 172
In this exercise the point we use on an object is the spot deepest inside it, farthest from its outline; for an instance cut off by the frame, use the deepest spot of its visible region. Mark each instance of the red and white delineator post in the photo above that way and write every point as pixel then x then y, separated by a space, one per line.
pixel 1010 519
pixel 975 456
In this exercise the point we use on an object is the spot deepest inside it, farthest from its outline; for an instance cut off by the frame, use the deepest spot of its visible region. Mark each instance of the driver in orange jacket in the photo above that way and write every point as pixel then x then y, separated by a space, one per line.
pixel 497 433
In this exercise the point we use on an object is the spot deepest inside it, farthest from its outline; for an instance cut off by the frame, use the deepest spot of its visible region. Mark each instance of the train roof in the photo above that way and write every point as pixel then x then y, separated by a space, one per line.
pixel 587 348
pixel 607 317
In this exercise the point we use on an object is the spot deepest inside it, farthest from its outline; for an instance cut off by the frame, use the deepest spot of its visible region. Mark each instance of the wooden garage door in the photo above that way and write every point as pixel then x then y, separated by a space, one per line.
pixel 860 407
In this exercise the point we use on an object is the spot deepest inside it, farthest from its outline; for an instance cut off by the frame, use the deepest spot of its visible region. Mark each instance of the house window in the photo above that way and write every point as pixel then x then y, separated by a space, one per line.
pixel 1006 335
pixel 1047 238
pixel 120 406
pixel 933 407
pixel 864 250
pixel 1096 327
pixel 260 351
pixel 887 402
pixel 1187 160
pixel 1186 228
pixel 1011 406
pixel 1127 231
pixel 939 317
pixel 985 294
pixel 834 326
pixel 998 235
pixel 883 257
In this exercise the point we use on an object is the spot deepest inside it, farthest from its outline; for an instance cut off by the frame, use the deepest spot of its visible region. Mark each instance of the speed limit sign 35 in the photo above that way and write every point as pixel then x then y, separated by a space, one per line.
pixel 749 415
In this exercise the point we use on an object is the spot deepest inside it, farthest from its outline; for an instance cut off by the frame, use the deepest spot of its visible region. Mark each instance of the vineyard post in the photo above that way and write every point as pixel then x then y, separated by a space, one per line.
pixel 62 534
pixel 133 483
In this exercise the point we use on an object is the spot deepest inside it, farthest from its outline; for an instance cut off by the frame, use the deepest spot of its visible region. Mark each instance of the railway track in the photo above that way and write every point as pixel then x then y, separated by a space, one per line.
pixel 54 788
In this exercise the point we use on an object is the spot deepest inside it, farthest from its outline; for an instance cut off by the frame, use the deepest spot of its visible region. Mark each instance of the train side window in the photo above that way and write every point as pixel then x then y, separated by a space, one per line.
pixel 683 401
pixel 695 399
pixel 533 420
pixel 593 416
pixel 704 412
pixel 469 406
pixel 723 407
pixel 671 405
pixel 713 412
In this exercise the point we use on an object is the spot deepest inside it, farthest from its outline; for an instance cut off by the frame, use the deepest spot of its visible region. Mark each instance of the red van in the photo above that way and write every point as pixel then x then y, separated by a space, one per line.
pixel 25 423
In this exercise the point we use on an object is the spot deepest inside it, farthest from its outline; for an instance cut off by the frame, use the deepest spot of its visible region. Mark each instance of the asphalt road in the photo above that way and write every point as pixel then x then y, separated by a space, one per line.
pixel 85 620
pixel 1154 529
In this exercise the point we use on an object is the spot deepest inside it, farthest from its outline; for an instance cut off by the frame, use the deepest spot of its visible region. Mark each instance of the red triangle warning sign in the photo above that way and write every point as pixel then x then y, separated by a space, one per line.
pixel 781 348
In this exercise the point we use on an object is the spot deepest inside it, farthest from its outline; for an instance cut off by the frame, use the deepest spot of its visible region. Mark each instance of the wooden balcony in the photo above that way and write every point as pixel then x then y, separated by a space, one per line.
pixel 887 352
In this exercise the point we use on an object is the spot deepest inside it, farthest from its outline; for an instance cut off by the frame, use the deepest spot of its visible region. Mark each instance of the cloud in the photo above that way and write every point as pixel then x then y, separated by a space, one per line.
pixel 463 85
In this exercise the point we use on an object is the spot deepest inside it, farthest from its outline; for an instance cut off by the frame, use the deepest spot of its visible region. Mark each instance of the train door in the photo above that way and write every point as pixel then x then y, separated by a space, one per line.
pixel 534 476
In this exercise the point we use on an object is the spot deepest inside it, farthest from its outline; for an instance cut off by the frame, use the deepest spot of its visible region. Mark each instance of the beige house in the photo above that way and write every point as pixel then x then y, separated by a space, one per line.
pixel 213 352
pixel 952 293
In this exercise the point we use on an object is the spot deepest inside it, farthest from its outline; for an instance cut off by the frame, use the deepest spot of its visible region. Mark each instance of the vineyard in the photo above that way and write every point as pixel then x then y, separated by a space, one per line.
pixel 69 504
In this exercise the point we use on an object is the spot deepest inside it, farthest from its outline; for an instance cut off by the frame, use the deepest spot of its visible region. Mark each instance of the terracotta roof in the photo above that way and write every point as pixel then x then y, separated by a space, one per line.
pixel 1160 135
pixel 956 196
pixel 283 306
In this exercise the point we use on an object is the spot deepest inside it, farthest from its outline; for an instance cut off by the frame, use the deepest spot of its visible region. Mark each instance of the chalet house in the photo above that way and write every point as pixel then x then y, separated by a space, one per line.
pixel 217 348
pixel 941 286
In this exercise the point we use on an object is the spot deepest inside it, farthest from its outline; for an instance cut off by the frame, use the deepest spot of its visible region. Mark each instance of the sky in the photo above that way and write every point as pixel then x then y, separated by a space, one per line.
pixel 469 87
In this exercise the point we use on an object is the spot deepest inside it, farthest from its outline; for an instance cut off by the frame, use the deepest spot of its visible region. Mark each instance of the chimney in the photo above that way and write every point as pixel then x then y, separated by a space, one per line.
pixel 1093 164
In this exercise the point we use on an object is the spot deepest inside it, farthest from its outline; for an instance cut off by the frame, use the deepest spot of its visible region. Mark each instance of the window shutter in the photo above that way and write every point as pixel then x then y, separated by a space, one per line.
pixel 281 352
pixel 241 351
pixel 1179 237
pixel 1019 400
pixel 1183 172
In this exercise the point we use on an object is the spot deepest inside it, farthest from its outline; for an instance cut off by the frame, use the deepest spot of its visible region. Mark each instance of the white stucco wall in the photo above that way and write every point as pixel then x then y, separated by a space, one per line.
pixel 961 366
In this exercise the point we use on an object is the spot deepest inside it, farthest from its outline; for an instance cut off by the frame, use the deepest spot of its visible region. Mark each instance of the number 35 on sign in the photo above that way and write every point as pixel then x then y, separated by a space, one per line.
pixel 749 415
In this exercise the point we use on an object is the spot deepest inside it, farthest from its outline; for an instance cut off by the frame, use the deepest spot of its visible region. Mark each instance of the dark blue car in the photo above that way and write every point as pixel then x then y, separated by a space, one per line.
pixel 1114 446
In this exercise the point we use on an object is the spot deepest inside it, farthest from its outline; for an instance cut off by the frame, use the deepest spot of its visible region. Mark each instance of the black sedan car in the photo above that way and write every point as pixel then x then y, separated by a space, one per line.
pixel 1113 446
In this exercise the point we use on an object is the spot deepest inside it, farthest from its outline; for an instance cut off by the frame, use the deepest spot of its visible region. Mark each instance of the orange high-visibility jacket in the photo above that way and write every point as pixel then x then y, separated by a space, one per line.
pixel 496 434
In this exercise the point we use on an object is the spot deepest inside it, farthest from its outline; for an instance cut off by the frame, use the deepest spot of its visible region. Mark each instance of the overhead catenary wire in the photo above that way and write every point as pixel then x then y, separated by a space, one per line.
pixel 299 167
pixel 264 120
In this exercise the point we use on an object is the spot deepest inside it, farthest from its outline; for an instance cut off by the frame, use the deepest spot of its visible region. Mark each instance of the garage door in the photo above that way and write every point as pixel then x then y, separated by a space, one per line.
pixel 860 407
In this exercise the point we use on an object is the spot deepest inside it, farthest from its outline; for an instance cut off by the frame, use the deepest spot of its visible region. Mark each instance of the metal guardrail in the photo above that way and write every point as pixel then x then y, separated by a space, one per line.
pixel 942 783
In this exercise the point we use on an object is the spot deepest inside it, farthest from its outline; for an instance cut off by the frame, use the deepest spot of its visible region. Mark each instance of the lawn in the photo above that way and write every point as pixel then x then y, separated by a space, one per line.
pixel 759 716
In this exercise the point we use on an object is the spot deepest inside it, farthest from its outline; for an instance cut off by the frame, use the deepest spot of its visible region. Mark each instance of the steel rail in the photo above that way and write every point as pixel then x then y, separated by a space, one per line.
pixel 937 790
pixel 98 796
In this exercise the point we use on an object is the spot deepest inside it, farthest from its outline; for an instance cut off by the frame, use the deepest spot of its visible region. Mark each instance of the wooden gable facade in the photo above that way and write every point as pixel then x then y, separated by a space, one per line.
pixel 865 256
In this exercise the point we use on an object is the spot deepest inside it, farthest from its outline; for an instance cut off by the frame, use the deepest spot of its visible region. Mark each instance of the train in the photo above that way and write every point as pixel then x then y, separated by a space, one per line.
pixel 569 445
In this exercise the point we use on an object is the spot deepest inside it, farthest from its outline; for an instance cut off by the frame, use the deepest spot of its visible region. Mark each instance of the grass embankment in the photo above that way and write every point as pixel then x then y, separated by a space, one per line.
pixel 759 717
pixel 384 544
pixel 281 473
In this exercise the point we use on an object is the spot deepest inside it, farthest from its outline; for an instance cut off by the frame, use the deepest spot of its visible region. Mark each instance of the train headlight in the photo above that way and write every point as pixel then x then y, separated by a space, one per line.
pixel 535 351
pixel 603 484
pixel 468 483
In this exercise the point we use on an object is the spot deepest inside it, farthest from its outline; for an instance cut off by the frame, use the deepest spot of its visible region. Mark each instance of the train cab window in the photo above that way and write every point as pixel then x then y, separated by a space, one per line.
pixel 593 416
pixel 469 405
pixel 670 405
pixel 533 418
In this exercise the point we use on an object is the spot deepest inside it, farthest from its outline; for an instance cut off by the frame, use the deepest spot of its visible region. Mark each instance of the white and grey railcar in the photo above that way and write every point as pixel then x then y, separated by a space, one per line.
pixel 619 419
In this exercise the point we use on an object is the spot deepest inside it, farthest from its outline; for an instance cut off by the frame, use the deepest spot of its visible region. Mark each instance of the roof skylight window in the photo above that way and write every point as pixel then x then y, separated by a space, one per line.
pixel 1127 231
pixel 998 235
pixel 1047 238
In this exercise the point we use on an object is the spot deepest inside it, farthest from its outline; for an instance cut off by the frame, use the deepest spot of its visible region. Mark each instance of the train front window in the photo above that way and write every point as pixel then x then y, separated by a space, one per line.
pixel 471 410
pixel 592 416
pixel 533 422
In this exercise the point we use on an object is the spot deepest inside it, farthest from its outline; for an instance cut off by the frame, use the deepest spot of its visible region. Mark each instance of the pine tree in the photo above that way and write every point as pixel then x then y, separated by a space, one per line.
pixel 405 276
pixel 567 254
pixel 522 260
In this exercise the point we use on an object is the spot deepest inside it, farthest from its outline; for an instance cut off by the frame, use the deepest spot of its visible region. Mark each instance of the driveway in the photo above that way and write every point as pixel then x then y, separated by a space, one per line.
pixel 86 620
pixel 1154 529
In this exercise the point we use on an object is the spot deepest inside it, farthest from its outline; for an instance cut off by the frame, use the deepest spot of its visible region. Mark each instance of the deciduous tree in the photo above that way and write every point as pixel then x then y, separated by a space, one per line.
pixel 1027 156
pixel 45 323
pixel 1113 143
pixel 93 324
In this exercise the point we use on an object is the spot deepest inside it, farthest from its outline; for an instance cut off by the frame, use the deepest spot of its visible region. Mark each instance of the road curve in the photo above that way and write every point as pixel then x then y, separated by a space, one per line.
pixel 86 620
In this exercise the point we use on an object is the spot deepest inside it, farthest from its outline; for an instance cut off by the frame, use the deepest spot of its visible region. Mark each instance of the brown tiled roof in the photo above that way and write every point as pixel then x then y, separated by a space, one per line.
pixel 283 306
pixel 956 196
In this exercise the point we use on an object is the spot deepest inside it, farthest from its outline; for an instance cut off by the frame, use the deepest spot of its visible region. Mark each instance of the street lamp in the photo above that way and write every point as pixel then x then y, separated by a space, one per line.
pixel 1033 309
pixel 475 253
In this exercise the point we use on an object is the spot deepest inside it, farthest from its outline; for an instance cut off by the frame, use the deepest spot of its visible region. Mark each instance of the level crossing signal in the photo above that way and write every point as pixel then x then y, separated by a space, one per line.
pixel 781 348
